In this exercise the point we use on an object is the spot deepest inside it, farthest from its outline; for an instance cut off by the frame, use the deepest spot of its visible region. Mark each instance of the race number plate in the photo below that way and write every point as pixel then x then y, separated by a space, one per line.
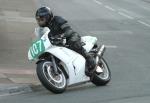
pixel 37 48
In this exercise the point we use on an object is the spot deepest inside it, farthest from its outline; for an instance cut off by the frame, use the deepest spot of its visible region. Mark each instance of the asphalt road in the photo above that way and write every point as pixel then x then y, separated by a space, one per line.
pixel 123 26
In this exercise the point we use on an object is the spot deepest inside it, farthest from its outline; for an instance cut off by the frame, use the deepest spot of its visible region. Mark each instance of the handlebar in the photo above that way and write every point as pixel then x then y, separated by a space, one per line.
pixel 57 41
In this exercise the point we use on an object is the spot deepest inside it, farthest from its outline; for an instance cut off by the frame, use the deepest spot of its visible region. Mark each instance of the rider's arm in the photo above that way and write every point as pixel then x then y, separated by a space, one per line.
pixel 70 34
pixel 68 31
pixel 66 28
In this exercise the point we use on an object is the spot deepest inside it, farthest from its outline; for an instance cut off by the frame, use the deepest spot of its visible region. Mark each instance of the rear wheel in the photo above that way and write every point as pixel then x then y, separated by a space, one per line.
pixel 56 83
pixel 104 77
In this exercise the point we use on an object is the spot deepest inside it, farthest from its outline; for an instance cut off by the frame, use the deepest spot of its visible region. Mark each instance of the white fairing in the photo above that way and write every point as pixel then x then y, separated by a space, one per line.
pixel 74 63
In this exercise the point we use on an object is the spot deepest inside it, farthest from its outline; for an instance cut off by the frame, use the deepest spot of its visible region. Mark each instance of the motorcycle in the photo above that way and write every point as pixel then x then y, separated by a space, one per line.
pixel 59 67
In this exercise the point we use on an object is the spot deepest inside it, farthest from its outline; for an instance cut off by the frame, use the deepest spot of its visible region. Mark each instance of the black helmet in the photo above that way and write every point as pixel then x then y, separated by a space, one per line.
pixel 43 16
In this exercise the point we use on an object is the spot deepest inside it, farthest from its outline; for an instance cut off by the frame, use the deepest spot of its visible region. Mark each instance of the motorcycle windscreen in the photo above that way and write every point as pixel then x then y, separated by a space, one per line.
pixel 40 31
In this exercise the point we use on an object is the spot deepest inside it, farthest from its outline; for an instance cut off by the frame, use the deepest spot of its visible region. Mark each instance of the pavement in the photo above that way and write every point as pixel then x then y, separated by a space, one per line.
pixel 17 23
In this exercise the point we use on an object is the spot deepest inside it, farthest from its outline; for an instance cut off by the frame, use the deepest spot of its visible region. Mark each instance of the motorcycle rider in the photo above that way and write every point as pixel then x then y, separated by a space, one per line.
pixel 59 26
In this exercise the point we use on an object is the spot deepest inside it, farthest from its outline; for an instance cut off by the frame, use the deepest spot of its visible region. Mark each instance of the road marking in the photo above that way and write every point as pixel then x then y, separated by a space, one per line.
pixel 146 8
pixel 148 25
pixel 125 15
pixel 122 14
pixel 98 2
pixel 124 10
pixel 110 8
pixel 111 46
pixel 113 32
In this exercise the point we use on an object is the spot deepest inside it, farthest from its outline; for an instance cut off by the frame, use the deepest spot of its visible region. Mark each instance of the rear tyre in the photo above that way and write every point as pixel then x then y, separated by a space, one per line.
pixel 103 78
pixel 54 83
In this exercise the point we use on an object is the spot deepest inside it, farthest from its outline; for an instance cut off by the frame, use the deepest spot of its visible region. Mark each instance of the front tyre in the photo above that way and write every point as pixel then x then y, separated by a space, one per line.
pixel 56 83
pixel 103 78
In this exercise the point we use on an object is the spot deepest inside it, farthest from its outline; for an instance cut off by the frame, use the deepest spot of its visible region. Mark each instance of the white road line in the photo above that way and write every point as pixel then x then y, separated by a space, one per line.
pixel 146 8
pixel 148 25
pixel 98 2
pixel 110 8
pixel 111 46
pixel 125 15
pixel 124 10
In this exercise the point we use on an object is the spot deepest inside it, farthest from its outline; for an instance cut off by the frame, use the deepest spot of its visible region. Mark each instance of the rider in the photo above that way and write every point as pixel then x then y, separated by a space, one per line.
pixel 59 25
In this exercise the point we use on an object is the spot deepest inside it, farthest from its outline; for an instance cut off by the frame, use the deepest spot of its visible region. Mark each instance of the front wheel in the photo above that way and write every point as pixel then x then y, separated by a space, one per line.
pixel 56 83
pixel 104 77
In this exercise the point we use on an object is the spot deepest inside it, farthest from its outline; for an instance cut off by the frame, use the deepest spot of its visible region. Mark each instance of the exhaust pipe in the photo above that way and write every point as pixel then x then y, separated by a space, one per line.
pixel 100 53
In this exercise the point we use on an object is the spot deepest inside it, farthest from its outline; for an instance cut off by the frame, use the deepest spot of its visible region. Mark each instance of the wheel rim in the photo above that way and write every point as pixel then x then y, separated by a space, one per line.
pixel 105 74
pixel 58 81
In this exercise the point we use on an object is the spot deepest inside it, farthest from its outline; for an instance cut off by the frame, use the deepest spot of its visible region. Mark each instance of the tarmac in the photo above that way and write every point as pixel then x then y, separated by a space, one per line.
pixel 17 23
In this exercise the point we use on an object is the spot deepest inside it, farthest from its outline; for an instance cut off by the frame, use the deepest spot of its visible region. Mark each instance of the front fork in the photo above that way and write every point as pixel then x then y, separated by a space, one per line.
pixel 54 64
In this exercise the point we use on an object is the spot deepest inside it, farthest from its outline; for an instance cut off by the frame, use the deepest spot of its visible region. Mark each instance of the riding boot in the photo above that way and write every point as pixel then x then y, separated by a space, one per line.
pixel 90 62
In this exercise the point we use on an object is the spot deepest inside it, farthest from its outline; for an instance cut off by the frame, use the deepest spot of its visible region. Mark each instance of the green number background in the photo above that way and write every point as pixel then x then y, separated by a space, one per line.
pixel 37 48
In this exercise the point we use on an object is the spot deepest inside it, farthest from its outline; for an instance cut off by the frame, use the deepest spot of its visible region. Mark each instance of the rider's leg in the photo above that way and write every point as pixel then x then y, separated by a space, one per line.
pixel 76 45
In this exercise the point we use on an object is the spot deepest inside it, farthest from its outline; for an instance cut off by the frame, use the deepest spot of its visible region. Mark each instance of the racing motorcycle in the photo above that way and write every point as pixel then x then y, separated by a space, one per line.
pixel 59 67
